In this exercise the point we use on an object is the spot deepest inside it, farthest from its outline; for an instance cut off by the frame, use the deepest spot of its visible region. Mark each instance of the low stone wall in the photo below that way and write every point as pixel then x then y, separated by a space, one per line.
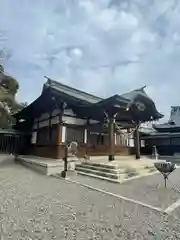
pixel 47 168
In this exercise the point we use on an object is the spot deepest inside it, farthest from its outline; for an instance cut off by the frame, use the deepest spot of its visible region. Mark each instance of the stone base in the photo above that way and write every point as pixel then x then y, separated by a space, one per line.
pixel 72 161
pixel 71 173
pixel 111 157
pixel 47 167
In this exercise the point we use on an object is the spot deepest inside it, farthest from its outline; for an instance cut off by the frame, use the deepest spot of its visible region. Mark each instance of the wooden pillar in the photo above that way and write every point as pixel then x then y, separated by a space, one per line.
pixel 59 135
pixel 38 128
pixel 50 128
pixel 111 139
pixel 137 143
pixel 87 136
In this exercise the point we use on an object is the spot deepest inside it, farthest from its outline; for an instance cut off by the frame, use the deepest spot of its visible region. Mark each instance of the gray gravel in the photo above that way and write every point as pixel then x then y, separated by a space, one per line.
pixel 176 213
pixel 149 190
pixel 33 206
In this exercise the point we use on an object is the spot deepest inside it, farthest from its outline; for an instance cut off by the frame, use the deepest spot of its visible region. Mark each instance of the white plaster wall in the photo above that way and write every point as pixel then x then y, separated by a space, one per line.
pixel 44 116
pixel 69 112
pixel 85 135
pixel 131 142
pixel 34 138
pixel 91 121
pixel 63 139
pixel 34 126
pixel 73 120
pixel 55 112
pixel 55 120
pixel 44 123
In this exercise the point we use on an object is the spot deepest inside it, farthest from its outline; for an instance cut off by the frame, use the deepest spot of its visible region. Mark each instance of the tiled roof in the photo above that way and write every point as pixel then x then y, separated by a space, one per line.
pixel 84 100
pixel 73 91
pixel 135 93
pixel 131 96
pixel 166 127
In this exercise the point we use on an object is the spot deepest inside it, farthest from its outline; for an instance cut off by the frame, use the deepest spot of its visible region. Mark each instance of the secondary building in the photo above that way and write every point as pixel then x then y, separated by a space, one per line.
pixel 166 136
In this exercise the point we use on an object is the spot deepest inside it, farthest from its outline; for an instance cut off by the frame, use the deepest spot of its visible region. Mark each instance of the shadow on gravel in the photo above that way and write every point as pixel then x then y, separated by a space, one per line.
pixel 6 160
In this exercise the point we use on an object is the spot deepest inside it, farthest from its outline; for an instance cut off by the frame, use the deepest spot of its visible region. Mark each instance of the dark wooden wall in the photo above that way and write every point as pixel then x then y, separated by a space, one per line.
pixel 165 146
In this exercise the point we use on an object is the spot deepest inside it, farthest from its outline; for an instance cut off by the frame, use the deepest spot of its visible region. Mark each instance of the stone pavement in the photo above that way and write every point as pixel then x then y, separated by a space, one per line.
pixel 34 206
pixel 149 190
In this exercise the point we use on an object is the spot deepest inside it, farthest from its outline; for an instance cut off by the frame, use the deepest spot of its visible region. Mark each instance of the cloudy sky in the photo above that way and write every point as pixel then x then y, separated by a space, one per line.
pixel 100 46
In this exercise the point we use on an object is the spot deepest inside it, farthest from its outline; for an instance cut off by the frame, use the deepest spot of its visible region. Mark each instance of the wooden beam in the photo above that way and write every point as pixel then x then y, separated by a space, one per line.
pixel 37 130
pixel 50 128
pixel 88 135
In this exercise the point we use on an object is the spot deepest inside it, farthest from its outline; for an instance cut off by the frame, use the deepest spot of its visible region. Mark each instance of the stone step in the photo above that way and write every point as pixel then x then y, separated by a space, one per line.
pixel 99 177
pixel 101 168
pixel 98 172
pixel 103 165
pixel 113 172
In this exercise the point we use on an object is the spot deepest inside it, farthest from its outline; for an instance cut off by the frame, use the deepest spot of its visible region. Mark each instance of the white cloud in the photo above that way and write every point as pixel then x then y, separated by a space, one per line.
pixel 103 46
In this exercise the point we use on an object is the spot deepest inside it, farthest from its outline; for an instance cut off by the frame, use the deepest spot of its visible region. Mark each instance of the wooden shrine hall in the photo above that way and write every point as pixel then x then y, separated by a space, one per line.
pixel 62 114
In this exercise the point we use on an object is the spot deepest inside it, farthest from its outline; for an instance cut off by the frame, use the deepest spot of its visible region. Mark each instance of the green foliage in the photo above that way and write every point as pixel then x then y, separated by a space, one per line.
pixel 18 106
pixel 1 69
pixel 10 84
pixel 8 105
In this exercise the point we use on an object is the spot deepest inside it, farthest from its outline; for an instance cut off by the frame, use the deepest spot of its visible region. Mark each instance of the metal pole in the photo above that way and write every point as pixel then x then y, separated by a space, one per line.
pixel 64 172
pixel 165 178
pixel 111 139
pixel 66 158
pixel 137 143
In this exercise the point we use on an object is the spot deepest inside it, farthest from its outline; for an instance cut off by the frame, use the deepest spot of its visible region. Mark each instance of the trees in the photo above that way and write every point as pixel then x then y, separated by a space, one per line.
pixel 8 104
pixel 8 88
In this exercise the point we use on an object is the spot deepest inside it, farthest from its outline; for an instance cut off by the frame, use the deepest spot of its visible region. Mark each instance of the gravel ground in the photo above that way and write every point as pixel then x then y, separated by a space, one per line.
pixel 176 213
pixel 149 190
pixel 33 206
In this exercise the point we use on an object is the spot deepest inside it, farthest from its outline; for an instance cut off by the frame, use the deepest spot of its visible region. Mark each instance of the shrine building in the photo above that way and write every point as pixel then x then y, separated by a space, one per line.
pixel 62 114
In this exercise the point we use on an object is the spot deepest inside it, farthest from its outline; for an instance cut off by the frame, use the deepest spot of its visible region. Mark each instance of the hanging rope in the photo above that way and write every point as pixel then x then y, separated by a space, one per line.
pixel 119 128
pixel 129 133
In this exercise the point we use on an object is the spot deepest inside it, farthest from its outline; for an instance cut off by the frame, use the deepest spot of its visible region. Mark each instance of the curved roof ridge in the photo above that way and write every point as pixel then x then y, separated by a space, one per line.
pixel 52 82
pixel 133 93
pixel 140 89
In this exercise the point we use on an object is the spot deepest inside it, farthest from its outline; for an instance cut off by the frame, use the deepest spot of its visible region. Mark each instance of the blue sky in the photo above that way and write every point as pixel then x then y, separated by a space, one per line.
pixel 100 46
